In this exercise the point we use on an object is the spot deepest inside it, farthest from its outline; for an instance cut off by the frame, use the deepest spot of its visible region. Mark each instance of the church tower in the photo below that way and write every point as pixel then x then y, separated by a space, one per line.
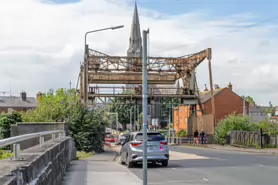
pixel 135 41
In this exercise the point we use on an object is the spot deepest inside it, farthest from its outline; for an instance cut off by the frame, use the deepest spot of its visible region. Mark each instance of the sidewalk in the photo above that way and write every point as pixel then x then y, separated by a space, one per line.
pixel 270 151
pixel 99 169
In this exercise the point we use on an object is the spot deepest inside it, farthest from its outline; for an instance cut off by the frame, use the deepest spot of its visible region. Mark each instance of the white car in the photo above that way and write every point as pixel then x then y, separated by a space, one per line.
pixel 157 149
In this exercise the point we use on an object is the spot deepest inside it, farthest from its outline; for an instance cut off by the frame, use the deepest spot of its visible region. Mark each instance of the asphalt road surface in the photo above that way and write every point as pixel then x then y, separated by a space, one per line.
pixel 213 167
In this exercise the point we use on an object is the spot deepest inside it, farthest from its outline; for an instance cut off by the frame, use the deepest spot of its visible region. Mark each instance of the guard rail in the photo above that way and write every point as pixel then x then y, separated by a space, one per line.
pixel 15 141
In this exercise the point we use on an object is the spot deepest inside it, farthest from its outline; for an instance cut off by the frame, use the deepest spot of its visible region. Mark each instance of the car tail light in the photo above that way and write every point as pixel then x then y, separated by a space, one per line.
pixel 136 143
pixel 163 142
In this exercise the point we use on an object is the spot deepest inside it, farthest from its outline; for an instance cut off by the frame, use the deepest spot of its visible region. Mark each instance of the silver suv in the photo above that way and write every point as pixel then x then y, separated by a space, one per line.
pixel 132 149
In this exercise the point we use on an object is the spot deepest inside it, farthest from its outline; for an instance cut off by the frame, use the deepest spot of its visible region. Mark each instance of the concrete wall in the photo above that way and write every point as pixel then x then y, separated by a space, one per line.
pixel 39 165
pixel 27 128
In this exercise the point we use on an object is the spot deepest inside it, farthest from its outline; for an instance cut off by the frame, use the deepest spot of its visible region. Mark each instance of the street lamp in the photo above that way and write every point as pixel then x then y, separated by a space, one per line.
pixel 85 58
pixel 115 113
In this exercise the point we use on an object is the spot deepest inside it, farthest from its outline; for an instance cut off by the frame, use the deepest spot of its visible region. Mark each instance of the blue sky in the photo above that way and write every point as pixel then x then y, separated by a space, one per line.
pixel 264 8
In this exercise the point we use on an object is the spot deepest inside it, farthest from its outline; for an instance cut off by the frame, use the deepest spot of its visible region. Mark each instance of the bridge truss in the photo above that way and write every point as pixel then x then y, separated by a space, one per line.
pixel 105 69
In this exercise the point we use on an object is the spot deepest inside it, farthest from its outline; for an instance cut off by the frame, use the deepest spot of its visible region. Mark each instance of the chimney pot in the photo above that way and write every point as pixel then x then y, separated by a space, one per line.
pixel 23 96
pixel 230 86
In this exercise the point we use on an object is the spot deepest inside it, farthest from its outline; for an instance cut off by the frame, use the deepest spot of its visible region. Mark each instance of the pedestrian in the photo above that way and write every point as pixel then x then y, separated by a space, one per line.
pixel 202 134
pixel 196 134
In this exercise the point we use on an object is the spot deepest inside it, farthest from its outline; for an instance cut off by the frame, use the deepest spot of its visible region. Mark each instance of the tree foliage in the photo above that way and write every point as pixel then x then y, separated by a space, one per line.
pixel 53 106
pixel 6 120
pixel 123 108
pixel 250 100
pixel 234 122
pixel 271 109
pixel 86 127
pixel 167 105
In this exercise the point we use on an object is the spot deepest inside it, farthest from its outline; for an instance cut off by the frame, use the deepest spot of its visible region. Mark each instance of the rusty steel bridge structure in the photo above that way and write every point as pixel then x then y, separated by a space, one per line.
pixel 105 69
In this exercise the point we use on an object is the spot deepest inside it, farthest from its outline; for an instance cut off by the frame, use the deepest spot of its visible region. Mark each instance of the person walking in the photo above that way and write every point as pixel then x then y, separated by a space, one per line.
pixel 202 134
pixel 196 134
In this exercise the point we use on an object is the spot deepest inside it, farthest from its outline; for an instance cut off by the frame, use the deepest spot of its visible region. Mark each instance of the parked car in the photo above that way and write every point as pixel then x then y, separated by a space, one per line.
pixel 132 149
pixel 110 138
pixel 121 138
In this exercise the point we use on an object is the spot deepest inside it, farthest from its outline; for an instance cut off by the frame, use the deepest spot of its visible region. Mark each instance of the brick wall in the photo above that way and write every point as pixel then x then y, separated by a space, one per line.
pixel 226 102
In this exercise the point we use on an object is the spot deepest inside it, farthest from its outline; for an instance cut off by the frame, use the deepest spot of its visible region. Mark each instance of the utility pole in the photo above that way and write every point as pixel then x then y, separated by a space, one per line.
pixel 130 119
pixel 145 106
pixel 244 106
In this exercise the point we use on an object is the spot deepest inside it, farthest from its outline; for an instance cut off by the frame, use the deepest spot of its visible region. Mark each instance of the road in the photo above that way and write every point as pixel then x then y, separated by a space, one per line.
pixel 198 166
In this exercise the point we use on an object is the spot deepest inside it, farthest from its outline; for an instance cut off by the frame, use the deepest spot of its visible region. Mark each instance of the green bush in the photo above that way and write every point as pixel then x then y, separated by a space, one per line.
pixel 6 120
pixel 5 154
pixel 182 133
pixel 233 122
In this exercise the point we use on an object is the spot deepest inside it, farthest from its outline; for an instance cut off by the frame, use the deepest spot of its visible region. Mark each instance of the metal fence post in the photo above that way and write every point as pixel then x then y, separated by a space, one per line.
pixel 41 141
pixel 53 137
pixel 16 150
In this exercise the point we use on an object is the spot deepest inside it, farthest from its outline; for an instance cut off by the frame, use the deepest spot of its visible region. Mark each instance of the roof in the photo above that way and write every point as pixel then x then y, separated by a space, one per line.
pixel 206 95
pixel 12 102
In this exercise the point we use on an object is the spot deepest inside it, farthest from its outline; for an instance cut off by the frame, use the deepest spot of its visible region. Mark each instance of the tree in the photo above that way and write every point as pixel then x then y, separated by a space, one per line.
pixel 123 109
pixel 270 109
pixel 86 127
pixel 167 105
pixel 6 120
pixel 249 99
pixel 53 106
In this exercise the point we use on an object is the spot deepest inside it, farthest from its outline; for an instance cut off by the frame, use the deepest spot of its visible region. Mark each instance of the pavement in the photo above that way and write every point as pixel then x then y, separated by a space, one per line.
pixel 100 169
pixel 200 166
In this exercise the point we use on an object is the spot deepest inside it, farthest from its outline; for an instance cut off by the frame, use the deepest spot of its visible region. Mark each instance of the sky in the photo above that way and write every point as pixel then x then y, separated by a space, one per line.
pixel 42 41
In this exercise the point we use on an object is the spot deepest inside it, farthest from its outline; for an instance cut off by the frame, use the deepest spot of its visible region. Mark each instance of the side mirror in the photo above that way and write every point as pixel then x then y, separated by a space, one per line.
pixel 122 143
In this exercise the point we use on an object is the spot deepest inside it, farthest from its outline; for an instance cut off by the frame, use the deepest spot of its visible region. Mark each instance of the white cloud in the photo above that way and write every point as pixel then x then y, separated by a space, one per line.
pixel 42 44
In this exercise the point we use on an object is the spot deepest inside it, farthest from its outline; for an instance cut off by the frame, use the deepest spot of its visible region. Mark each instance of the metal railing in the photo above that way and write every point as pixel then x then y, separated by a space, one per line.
pixel 15 141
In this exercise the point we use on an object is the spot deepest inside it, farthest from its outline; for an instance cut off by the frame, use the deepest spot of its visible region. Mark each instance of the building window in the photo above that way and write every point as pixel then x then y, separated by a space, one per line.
pixel 180 109
pixel 180 119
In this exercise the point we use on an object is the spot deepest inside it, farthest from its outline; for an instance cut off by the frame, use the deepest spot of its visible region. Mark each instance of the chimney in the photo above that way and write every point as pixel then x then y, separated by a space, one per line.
pixel 230 86
pixel 216 86
pixel 206 89
pixel 23 96
pixel 39 94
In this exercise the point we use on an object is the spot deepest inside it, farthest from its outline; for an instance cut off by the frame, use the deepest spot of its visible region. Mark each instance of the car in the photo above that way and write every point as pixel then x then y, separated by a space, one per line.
pixel 121 138
pixel 110 138
pixel 132 149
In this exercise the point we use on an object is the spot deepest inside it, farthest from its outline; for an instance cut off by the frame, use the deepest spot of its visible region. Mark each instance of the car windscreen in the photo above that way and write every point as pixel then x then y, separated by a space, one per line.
pixel 151 137
pixel 123 136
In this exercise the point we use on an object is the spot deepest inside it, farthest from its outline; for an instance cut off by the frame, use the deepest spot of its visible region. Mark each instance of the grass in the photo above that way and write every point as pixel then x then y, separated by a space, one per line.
pixel 83 155
pixel 4 154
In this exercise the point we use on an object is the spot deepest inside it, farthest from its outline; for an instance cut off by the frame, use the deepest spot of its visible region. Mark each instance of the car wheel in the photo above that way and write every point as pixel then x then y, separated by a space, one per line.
pixel 129 163
pixel 165 163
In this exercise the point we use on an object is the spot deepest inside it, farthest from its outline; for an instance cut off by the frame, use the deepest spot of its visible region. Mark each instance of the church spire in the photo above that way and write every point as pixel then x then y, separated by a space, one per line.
pixel 135 40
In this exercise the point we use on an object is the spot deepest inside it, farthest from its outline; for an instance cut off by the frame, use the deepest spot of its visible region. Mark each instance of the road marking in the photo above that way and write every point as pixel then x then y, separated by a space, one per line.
pixel 174 168
pixel 205 179
pixel 167 182
pixel 259 165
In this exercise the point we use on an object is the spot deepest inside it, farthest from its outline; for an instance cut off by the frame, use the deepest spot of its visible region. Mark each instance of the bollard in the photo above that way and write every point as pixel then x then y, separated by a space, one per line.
pixel 53 137
pixel 41 141
pixel 16 150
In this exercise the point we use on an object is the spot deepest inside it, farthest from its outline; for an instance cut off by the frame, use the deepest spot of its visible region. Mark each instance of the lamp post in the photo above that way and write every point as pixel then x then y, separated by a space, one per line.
pixel 85 59
pixel 115 113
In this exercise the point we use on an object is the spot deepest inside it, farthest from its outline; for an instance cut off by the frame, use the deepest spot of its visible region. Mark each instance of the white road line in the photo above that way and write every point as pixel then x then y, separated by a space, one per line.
pixel 205 179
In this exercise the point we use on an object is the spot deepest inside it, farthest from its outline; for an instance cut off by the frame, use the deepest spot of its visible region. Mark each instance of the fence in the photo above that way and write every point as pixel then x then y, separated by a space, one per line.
pixel 15 141
pixel 188 140
pixel 251 139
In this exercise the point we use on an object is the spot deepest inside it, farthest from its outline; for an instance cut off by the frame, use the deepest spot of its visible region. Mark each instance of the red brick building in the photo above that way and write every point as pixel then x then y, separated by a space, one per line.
pixel 226 102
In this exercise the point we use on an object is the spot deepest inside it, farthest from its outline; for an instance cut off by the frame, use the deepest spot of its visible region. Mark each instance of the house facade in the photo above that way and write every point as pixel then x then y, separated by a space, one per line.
pixel 21 103
pixel 226 102
pixel 257 113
